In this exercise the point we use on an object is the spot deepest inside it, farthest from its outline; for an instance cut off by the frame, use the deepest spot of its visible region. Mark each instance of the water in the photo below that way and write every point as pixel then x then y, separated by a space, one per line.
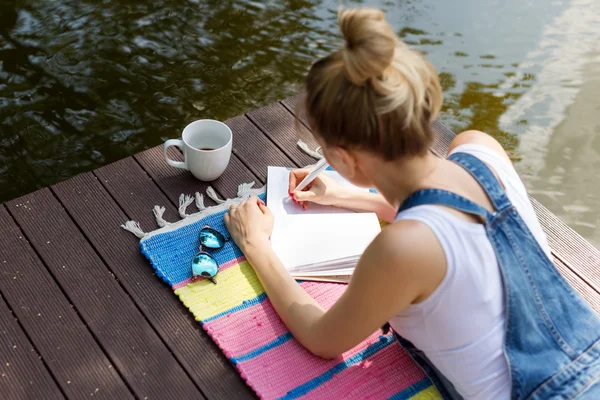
pixel 84 83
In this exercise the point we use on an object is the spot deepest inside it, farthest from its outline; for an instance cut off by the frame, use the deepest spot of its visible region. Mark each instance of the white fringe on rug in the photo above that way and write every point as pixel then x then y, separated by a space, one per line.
pixel 317 153
pixel 134 227
pixel 245 191
pixel 158 214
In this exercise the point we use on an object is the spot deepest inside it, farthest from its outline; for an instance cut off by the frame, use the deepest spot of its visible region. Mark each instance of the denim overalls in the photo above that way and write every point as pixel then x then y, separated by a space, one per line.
pixel 552 339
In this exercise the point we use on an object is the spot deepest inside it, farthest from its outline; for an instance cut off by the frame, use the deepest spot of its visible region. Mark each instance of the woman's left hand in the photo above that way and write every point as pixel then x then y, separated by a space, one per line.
pixel 250 223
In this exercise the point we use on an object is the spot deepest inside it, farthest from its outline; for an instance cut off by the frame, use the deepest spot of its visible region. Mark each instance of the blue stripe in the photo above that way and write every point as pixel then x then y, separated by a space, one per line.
pixel 277 342
pixel 245 304
pixel 306 387
pixel 412 390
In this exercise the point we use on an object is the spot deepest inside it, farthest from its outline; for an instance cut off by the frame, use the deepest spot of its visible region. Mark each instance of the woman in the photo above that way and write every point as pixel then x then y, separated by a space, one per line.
pixel 463 273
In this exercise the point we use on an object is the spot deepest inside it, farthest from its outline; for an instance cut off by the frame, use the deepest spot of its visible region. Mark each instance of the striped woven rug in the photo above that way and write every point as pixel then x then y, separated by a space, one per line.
pixel 238 316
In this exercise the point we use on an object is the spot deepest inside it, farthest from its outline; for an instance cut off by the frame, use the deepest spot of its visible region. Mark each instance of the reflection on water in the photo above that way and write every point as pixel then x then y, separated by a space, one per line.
pixel 83 83
pixel 567 173
pixel 561 111
pixel 86 82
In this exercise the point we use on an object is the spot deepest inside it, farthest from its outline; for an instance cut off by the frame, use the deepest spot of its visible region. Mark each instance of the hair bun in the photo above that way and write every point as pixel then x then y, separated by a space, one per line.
pixel 370 43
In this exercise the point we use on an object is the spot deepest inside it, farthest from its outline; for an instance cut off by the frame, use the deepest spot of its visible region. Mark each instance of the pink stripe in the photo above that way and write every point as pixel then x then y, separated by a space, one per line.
pixel 260 324
pixel 275 372
pixel 381 376
pixel 222 267
pixel 325 293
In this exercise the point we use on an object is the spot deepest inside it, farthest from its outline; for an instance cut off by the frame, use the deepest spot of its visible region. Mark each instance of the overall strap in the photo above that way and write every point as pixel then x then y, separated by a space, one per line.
pixel 444 198
pixel 486 178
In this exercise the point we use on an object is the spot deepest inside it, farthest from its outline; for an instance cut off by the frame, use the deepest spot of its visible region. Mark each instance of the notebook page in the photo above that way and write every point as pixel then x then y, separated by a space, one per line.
pixel 318 235
pixel 315 238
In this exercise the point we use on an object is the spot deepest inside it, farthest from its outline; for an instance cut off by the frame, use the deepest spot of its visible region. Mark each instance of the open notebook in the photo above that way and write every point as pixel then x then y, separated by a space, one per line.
pixel 321 243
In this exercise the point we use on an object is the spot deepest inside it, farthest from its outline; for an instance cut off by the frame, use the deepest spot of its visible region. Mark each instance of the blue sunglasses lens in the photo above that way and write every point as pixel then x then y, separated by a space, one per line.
pixel 211 239
pixel 204 265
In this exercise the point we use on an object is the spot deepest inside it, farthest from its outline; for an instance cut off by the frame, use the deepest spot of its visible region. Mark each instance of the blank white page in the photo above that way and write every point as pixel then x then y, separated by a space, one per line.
pixel 317 235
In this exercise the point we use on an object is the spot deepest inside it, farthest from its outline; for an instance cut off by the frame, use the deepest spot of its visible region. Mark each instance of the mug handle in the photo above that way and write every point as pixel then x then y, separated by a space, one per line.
pixel 172 163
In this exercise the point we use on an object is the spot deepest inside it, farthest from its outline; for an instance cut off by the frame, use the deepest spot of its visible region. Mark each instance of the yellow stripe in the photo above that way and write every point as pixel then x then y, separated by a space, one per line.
pixel 234 285
pixel 430 393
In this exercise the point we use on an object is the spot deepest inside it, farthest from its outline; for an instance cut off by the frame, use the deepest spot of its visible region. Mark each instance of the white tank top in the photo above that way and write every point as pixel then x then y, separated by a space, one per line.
pixel 460 326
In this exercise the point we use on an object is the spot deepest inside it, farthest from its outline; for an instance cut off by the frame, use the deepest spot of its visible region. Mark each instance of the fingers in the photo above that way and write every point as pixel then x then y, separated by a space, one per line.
pixel 231 214
pixel 296 177
pixel 293 182
pixel 253 200
pixel 265 210
pixel 250 202
pixel 304 196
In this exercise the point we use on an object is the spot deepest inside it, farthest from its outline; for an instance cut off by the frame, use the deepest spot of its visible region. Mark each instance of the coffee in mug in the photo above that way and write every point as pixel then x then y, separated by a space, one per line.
pixel 206 145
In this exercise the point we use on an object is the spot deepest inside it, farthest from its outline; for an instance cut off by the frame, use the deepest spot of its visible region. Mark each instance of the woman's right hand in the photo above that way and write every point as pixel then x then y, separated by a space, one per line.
pixel 323 190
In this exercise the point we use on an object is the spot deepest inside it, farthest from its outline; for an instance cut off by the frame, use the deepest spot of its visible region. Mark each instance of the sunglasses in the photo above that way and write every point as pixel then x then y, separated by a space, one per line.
pixel 204 264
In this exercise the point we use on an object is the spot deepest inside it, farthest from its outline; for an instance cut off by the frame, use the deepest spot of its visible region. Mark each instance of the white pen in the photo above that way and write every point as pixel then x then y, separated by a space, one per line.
pixel 318 168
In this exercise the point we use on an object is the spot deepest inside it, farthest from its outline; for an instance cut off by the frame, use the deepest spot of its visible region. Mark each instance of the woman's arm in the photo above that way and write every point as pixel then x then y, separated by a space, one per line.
pixel 386 280
pixel 360 201
pixel 326 191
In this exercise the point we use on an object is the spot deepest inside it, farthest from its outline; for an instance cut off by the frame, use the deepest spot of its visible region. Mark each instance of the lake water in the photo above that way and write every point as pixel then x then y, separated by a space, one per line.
pixel 84 83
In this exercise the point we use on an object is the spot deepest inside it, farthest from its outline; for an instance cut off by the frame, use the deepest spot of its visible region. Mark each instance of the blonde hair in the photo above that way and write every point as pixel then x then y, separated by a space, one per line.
pixel 375 93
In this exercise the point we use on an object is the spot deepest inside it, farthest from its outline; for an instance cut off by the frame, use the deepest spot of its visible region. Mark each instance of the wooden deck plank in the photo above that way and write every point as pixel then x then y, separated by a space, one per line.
pixel 119 249
pixel 280 126
pixel 174 181
pixel 135 192
pixel 135 349
pixel 254 149
pixel 235 174
pixel 71 353
pixel 293 106
pixel 569 246
pixel 443 138
pixel 23 375
pixel 585 290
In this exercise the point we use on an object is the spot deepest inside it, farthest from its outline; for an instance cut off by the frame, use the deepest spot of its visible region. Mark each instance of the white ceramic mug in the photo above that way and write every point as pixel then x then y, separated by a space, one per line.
pixel 206 146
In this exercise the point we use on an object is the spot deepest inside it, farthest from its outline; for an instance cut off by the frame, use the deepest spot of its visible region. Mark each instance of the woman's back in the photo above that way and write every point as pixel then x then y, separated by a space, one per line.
pixel 460 327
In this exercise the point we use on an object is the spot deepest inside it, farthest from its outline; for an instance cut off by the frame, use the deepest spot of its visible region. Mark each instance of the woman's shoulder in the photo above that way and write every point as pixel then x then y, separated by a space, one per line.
pixel 411 250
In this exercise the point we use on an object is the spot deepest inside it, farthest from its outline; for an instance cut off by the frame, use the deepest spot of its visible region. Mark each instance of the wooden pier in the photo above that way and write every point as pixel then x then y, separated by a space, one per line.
pixel 82 314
